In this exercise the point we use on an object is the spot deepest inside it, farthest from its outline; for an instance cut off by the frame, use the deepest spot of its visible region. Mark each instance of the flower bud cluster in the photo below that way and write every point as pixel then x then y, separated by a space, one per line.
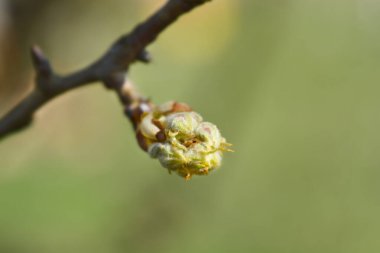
pixel 181 140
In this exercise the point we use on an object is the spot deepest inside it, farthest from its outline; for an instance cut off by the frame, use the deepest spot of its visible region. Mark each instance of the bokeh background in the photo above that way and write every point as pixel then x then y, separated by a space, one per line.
pixel 293 84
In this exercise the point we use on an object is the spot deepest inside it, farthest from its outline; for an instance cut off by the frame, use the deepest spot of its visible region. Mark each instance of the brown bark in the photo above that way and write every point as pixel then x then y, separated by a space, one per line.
pixel 110 69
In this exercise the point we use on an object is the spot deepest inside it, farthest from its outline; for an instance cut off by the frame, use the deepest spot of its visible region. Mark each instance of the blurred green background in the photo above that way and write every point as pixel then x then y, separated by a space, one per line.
pixel 293 84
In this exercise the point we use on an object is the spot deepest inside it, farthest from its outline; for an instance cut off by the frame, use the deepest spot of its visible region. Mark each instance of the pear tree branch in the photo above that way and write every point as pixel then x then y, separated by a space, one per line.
pixel 110 69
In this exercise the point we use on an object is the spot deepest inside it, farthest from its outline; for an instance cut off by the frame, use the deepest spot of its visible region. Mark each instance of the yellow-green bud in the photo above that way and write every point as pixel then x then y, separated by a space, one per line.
pixel 187 145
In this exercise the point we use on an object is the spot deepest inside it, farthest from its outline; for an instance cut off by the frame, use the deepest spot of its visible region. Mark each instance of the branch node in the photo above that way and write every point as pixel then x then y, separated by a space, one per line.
pixel 144 56
pixel 114 81
pixel 40 62
pixel 44 71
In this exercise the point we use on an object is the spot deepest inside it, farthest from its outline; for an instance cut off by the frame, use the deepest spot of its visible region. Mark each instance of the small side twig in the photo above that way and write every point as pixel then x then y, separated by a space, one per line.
pixel 110 69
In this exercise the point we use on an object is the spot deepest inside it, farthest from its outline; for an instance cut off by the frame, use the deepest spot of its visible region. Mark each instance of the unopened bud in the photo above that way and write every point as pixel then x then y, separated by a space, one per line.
pixel 186 145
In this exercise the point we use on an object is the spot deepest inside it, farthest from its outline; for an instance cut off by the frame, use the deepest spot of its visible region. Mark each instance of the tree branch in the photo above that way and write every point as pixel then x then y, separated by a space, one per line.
pixel 110 69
